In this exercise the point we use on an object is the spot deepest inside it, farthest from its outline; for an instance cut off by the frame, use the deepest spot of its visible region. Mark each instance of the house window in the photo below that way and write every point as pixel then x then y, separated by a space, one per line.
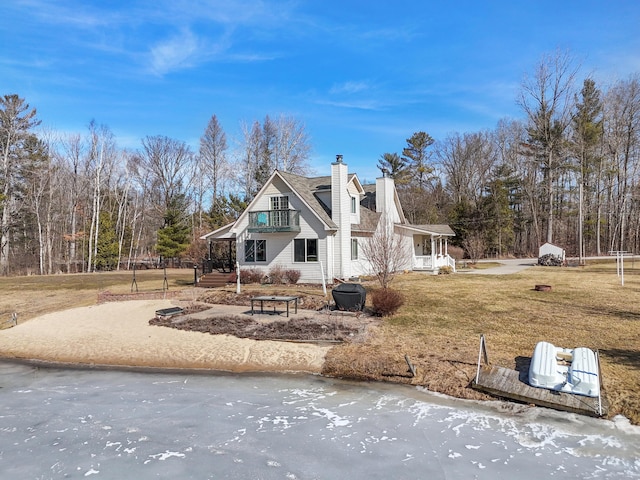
pixel 353 205
pixel 279 207
pixel 305 250
pixel 255 251
pixel 354 249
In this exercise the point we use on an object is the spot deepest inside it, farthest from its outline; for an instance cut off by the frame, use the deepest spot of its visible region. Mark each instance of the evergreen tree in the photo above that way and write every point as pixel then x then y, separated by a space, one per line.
pixel 416 157
pixel 587 134
pixel 107 246
pixel 173 237
pixel 498 214
pixel 395 166
pixel 16 121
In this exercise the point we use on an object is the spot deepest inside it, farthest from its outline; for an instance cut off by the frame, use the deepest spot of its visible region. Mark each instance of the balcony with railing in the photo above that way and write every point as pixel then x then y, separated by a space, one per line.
pixel 274 221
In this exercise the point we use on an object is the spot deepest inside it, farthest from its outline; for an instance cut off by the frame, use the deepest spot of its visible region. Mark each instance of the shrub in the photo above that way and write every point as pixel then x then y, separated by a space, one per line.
pixel 386 301
pixel 446 270
pixel 251 275
pixel 277 274
pixel 456 253
pixel 293 276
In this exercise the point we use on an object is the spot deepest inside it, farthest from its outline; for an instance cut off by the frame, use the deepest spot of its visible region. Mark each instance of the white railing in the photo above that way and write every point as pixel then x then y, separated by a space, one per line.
pixel 425 262
pixel 422 262
pixel 451 262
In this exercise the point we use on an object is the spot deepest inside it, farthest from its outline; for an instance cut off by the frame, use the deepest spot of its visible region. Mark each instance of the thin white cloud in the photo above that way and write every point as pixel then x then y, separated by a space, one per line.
pixel 177 52
pixel 82 15
pixel 355 104
pixel 349 88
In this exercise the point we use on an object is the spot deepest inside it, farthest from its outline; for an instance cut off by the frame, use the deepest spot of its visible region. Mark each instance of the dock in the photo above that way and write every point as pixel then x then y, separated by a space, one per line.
pixel 506 383
pixel 513 385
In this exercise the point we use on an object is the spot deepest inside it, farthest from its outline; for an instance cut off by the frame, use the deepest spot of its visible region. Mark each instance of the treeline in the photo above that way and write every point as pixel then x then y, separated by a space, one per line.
pixel 566 173
pixel 79 203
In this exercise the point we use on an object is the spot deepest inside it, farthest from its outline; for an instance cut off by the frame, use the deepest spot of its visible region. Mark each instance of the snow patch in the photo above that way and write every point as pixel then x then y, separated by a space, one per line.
pixel 167 454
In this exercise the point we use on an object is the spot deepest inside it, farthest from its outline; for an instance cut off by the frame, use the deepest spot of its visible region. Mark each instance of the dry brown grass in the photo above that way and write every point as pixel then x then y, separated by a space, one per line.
pixel 440 325
pixel 31 296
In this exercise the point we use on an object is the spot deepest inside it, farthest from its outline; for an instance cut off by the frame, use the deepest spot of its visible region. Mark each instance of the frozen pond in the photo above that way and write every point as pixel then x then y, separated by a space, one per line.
pixel 115 425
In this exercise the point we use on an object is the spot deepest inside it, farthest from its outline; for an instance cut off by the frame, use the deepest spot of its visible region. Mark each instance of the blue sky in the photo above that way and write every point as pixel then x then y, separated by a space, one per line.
pixel 361 75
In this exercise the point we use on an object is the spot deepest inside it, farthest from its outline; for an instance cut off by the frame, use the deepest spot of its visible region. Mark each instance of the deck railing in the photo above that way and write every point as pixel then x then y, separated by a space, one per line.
pixel 269 221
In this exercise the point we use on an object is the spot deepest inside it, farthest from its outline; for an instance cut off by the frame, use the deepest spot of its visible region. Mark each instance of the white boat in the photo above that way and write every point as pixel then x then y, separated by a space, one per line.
pixel 565 370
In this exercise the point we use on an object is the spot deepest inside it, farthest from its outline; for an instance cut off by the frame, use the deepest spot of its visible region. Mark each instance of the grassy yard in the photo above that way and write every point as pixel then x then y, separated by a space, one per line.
pixel 440 324
pixel 34 295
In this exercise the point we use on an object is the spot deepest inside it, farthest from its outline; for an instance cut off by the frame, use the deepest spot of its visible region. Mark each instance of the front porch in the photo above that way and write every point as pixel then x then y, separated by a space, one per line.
pixel 433 263
pixel 430 250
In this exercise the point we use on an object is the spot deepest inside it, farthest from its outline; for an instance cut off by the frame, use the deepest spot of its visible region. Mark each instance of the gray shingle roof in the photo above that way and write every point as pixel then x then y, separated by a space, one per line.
pixel 437 229
pixel 307 188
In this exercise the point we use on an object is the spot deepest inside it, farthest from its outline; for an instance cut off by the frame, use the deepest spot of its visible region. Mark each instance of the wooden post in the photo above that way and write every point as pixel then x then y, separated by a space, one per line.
pixel 133 282
pixel 412 368
pixel 482 353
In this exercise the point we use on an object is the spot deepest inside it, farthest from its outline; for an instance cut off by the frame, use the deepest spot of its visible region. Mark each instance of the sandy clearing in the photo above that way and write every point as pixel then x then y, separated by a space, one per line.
pixel 119 334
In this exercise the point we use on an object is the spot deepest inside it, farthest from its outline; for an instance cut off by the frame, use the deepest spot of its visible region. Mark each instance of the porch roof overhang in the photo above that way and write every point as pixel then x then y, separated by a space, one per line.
pixel 222 233
pixel 434 230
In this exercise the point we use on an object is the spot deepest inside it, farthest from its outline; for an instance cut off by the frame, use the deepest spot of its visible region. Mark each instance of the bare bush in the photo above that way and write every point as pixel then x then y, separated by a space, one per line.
pixel 386 301
pixel 293 276
pixel 277 274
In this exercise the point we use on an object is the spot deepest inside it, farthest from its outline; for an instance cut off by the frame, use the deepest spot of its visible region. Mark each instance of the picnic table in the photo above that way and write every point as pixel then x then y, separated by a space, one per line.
pixel 274 300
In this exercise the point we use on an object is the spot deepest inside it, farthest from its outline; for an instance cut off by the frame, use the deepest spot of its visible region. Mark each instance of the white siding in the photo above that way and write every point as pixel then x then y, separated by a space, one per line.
pixel 280 245
pixel 353 192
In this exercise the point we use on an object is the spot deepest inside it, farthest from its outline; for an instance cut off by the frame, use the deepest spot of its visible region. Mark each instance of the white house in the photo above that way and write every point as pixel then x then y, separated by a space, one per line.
pixel 319 226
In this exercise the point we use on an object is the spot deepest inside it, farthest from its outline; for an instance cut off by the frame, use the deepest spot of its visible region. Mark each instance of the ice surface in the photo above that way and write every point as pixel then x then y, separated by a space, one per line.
pixel 107 424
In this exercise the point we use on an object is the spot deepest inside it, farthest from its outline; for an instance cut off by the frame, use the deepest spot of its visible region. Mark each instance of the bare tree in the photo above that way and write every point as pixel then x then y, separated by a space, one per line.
pixel 213 157
pixel 546 98
pixel 249 158
pixel 387 251
pixel 101 155
pixel 475 246
pixel 167 164
pixel 281 144
pixel 467 161
pixel 292 146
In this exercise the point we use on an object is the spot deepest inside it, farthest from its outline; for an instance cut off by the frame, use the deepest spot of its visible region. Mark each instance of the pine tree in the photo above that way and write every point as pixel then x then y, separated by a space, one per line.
pixel 395 166
pixel 173 237
pixel 416 157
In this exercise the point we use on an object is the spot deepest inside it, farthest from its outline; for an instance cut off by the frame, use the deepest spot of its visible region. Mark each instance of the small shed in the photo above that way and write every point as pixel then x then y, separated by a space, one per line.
pixel 548 251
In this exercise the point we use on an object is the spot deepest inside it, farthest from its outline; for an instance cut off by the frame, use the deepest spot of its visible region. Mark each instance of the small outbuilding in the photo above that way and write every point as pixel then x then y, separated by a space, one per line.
pixel 549 254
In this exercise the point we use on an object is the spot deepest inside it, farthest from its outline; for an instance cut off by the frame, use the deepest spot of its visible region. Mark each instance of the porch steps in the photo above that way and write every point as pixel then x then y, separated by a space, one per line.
pixel 213 280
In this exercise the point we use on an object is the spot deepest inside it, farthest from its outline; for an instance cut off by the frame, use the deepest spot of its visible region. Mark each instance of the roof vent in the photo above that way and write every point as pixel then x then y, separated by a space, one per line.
pixel 339 158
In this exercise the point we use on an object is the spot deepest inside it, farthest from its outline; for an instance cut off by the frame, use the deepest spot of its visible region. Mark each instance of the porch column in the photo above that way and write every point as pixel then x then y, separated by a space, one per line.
pixel 433 252
pixel 446 246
